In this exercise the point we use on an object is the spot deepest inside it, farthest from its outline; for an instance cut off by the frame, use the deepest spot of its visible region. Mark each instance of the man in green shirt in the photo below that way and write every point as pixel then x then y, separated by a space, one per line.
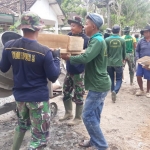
pixel 116 55
pixel 97 80
pixel 137 37
pixel 130 52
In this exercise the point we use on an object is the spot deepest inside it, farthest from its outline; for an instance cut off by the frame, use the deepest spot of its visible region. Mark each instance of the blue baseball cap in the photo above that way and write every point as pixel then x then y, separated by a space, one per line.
pixel 97 19
pixel 116 28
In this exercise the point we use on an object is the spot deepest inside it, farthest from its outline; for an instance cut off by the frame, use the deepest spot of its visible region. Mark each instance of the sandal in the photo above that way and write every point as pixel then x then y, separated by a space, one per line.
pixel 148 95
pixel 85 143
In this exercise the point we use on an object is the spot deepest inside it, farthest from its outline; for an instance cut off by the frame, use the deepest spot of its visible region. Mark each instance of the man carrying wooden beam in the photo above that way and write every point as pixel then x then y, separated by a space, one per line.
pixel 74 79
pixel 143 49
pixel 32 63
pixel 97 81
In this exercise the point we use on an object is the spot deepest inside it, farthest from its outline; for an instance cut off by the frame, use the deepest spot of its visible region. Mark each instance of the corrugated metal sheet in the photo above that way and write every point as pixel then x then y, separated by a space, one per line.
pixel 10 6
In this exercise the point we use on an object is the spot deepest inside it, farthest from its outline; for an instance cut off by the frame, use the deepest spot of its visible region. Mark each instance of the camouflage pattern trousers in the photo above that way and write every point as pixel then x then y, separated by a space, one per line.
pixel 76 83
pixel 131 62
pixel 34 116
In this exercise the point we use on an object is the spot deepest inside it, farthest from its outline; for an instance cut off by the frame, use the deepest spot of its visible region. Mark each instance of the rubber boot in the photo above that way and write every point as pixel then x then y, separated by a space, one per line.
pixel 113 96
pixel 17 140
pixel 131 79
pixel 77 120
pixel 68 110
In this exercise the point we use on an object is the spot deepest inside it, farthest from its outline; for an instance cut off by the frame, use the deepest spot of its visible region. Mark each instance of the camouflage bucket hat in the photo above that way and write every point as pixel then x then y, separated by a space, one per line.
pixel 32 21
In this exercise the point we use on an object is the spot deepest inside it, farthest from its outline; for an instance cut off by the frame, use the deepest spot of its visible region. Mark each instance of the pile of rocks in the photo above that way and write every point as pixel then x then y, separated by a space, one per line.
pixel 63 137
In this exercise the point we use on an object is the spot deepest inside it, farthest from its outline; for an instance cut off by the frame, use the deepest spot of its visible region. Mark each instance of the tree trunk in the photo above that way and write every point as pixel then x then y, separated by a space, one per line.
pixel 108 15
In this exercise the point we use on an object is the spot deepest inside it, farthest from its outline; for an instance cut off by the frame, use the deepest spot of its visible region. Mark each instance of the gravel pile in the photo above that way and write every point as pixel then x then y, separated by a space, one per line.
pixel 63 137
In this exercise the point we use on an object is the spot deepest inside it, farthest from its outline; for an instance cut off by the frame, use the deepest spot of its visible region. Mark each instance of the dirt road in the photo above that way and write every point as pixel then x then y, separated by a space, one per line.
pixel 126 124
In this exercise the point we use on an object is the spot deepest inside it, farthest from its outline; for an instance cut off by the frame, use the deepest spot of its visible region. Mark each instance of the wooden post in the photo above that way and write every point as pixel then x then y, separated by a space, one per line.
pixel 20 7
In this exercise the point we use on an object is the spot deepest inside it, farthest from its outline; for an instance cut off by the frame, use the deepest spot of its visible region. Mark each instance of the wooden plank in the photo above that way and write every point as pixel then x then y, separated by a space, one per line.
pixel 144 61
pixel 77 53
pixel 75 43
pixel 63 51
pixel 66 43
pixel 54 40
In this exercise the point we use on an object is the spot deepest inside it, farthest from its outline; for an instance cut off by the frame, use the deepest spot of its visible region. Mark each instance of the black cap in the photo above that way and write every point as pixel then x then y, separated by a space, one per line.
pixel 147 28
pixel 126 29
pixel 108 30
pixel 116 28
pixel 77 20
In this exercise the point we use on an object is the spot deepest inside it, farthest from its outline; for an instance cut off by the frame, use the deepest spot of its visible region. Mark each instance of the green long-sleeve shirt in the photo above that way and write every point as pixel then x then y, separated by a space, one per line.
pixel 116 49
pixel 95 60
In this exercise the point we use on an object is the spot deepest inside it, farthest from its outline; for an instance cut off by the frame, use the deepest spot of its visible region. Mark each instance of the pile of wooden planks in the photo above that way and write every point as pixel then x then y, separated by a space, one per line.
pixel 66 44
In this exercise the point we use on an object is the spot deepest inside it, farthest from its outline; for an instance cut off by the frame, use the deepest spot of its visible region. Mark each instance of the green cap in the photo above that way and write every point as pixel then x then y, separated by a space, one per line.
pixel 32 21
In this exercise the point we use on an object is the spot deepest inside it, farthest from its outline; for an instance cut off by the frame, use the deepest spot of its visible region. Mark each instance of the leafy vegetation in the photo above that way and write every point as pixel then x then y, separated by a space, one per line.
pixel 135 13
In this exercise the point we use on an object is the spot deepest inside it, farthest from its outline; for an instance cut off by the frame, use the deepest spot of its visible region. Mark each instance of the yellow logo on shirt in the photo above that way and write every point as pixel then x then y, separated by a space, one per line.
pixel 115 43
pixel 23 56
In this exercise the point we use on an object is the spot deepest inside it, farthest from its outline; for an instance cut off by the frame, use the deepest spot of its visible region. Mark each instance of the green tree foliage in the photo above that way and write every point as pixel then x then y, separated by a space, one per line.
pixel 135 13
pixel 73 6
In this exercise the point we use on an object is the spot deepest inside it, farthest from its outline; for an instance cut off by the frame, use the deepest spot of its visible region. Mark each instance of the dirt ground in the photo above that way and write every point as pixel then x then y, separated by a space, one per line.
pixel 125 124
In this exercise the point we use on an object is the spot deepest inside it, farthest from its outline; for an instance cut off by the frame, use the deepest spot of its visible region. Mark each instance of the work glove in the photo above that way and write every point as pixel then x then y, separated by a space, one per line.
pixel 56 53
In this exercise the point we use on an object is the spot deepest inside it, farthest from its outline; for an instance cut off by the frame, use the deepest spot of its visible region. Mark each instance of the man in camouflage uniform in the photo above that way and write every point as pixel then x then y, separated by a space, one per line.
pixel 107 33
pixel 130 52
pixel 32 64
pixel 74 78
